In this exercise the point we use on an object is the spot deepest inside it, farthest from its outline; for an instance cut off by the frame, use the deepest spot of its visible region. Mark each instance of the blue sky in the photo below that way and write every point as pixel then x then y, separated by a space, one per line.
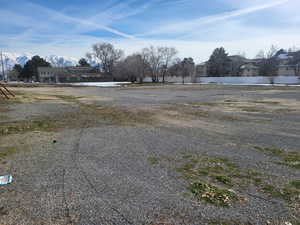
pixel 194 27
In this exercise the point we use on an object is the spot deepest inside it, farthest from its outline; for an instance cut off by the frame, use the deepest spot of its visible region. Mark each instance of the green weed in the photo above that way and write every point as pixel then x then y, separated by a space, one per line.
pixel 212 194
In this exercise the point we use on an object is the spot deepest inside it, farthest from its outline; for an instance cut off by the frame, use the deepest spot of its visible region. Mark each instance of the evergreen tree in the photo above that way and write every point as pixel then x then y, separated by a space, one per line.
pixel 14 74
pixel 30 69
pixel 218 64
pixel 17 70
pixel 26 72
pixel 83 62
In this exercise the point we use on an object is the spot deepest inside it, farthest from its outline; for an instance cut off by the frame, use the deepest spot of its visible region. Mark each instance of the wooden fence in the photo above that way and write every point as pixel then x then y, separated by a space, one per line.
pixel 5 92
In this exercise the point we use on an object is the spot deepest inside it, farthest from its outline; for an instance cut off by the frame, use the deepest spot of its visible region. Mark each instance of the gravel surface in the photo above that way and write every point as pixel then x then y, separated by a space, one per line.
pixel 100 173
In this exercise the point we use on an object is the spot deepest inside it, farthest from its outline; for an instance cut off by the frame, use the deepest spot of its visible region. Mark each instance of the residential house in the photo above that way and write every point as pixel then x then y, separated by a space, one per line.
pixel 71 75
pixel 240 66
pixel 201 70
pixel 286 70
pixel 248 70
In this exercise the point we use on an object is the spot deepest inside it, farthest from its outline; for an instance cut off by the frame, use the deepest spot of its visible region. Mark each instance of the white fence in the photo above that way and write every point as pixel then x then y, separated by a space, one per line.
pixel 233 80
pixel 250 80
pixel 171 79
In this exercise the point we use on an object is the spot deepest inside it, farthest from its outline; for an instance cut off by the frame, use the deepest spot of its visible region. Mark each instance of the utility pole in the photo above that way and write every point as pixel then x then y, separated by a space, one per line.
pixel 2 65
pixel 6 68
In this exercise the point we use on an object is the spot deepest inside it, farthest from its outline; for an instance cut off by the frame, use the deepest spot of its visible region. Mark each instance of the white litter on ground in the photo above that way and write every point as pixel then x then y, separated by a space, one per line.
pixel 4 180
pixel 101 84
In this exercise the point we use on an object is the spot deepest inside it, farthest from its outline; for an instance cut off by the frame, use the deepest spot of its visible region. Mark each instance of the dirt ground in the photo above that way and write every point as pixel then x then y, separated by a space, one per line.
pixel 153 155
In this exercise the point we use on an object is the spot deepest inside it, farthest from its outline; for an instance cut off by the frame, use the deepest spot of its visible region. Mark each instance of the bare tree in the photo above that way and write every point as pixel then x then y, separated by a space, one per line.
pixel 268 65
pixel 294 61
pixel 155 60
pixel 144 61
pixel 107 55
pixel 183 68
pixel 235 63
pixel 120 72
pixel 187 68
pixel 293 49
pixel 168 55
pixel 260 54
pixel 175 68
pixel 272 52
pixel 133 68
pixel 242 54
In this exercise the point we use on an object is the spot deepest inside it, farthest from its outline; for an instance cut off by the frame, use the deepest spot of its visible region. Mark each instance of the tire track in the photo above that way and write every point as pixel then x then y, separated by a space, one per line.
pixel 65 203
pixel 84 175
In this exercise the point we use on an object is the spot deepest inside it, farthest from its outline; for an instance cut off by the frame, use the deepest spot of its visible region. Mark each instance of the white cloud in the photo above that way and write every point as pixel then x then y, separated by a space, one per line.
pixel 50 36
pixel 201 51
pixel 46 19
pixel 78 46
pixel 192 25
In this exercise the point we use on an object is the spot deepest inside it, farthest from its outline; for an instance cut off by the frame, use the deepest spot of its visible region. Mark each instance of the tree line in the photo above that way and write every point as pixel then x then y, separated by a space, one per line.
pixel 154 62
pixel 159 62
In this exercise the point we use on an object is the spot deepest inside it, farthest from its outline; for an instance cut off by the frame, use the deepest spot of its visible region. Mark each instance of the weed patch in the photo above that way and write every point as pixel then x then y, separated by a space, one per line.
pixel 215 168
pixel 224 179
pixel 266 102
pixel 153 160
pixel 270 150
pixel 212 194
pixel 27 126
pixel 208 173
pixel 287 192
pixel 7 151
pixel 122 116
pixel 295 183
pixel 3 117
pixel 68 98
pixel 228 222
pixel 290 159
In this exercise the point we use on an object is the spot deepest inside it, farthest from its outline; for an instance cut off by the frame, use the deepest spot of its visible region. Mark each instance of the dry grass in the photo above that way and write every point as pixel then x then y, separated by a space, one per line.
pixel 4 117
pixel 7 151
pixel 248 105
pixel 3 108
pixel 87 113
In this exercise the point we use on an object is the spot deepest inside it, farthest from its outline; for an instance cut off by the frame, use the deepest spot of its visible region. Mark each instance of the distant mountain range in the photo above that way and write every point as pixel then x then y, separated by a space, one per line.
pixel 10 59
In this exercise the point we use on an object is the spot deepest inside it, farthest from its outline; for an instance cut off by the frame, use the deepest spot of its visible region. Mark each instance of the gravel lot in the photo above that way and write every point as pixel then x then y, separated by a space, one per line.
pixel 129 155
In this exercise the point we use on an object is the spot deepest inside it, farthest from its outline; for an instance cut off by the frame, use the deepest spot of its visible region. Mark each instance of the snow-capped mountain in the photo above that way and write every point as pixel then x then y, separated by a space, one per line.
pixel 10 59
pixel 61 61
